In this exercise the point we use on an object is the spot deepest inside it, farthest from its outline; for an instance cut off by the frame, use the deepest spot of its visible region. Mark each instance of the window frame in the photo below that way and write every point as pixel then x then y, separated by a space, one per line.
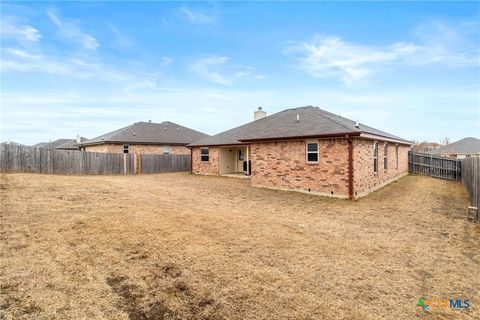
pixel 202 155
pixel 385 156
pixel 126 147
pixel 317 152
pixel 375 157
pixel 166 149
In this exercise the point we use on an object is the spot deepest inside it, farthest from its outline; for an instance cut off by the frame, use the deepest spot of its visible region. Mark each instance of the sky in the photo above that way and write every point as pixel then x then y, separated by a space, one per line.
pixel 67 68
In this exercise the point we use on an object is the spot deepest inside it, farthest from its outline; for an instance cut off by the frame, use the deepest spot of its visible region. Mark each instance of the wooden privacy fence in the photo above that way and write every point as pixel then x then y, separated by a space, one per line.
pixel 440 167
pixel 471 180
pixel 154 163
pixel 15 158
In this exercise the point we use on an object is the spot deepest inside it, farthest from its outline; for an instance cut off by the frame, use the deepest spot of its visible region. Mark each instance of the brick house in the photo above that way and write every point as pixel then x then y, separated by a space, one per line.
pixel 145 138
pixel 305 149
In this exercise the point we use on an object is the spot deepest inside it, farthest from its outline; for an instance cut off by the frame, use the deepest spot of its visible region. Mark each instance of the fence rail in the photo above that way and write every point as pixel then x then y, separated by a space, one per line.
pixel 440 167
pixel 471 180
pixel 15 158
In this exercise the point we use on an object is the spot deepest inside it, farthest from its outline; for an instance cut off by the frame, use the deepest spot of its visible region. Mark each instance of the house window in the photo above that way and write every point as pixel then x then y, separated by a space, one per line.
pixel 385 156
pixel 125 148
pixel 166 149
pixel 396 156
pixel 312 152
pixel 204 154
pixel 241 154
pixel 375 157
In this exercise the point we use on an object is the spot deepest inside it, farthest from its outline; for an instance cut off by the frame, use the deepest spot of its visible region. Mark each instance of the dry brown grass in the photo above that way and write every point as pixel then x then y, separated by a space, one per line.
pixel 179 246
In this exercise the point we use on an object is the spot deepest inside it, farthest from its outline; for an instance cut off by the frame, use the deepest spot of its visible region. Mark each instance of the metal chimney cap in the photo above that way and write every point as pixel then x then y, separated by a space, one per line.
pixel 260 109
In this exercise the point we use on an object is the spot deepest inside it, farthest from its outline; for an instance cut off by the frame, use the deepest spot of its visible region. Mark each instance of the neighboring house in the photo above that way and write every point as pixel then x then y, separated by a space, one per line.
pixel 55 143
pixel 467 147
pixel 13 143
pixel 305 149
pixel 73 144
pixel 40 145
pixel 144 138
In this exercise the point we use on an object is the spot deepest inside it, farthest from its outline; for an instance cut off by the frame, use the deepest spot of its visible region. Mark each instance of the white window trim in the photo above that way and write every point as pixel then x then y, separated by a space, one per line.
pixel 201 155
pixel 166 148
pixel 375 156
pixel 307 152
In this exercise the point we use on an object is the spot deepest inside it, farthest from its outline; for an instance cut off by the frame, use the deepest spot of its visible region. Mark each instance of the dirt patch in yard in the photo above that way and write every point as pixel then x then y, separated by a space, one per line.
pixel 180 246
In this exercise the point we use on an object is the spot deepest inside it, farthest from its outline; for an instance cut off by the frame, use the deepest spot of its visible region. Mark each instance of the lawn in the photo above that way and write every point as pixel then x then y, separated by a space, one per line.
pixel 181 246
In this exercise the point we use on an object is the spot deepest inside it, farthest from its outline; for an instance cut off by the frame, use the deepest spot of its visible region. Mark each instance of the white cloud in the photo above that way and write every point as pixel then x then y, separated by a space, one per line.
pixel 16 60
pixel 198 17
pixel 166 61
pixel 331 56
pixel 12 28
pixel 216 69
pixel 70 30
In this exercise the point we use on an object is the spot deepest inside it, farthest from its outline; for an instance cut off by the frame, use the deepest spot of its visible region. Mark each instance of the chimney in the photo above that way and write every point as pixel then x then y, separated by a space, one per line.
pixel 259 114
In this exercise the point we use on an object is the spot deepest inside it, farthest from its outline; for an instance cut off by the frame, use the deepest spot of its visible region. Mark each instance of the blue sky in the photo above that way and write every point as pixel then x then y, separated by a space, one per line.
pixel 411 69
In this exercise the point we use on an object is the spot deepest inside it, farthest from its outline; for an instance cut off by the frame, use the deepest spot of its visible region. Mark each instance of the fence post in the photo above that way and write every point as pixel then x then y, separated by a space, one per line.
pixel 138 163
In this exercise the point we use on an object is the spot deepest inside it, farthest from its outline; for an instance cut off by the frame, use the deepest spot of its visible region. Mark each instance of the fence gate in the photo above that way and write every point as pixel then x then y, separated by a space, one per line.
pixel 434 166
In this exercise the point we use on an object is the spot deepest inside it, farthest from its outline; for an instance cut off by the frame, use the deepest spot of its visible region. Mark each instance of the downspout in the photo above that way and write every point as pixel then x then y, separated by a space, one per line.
pixel 350 167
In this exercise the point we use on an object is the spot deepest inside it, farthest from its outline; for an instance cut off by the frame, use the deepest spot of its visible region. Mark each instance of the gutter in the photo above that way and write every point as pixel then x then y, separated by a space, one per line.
pixel 330 135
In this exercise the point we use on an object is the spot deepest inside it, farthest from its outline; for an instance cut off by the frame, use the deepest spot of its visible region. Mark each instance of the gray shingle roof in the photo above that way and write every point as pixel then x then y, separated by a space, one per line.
pixel 469 145
pixel 313 121
pixel 40 144
pixel 71 145
pixel 150 133
pixel 56 143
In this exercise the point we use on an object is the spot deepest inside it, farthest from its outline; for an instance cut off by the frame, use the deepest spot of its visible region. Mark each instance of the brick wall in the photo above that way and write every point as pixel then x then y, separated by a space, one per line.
pixel 210 167
pixel 282 165
pixel 365 180
pixel 136 148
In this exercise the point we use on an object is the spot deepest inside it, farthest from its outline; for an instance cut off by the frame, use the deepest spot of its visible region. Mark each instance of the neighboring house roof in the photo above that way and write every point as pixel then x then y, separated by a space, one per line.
pixel 72 144
pixel 469 145
pixel 56 143
pixel 150 133
pixel 13 143
pixel 313 122
pixel 40 144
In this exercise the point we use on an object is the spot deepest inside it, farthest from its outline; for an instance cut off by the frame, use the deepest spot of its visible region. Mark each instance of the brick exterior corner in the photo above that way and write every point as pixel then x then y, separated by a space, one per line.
pixel 282 165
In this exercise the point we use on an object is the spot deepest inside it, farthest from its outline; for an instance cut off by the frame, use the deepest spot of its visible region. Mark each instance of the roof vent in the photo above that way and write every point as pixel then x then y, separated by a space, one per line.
pixel 164 128
pixel 103 138
pixel 178 129
pixel 133 132
pixel 357 125
pixel 259 114
pixel 298 117
pixel 150 121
